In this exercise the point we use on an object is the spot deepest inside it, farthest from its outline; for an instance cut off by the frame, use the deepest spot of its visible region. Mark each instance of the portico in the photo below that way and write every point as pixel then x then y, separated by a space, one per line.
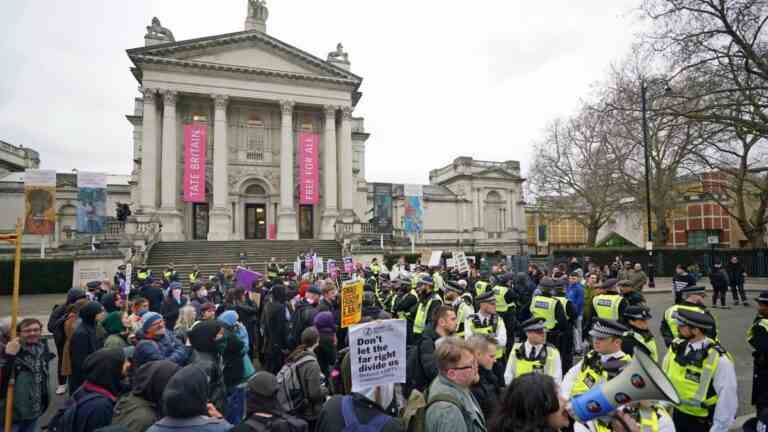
pixel 253 95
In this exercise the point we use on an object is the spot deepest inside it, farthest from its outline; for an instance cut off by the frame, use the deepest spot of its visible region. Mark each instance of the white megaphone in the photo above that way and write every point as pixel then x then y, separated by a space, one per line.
pixel 641 380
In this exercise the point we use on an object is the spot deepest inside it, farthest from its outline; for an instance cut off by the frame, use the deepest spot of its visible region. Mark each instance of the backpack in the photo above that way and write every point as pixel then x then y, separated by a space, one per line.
pixel 301 319
pixel 351 422
pixel 279 422
pixel 290 393
pixel 416 411
pixel 65 418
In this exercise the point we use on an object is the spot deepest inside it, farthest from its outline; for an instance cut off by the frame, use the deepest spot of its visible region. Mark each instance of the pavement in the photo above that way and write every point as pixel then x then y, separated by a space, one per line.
pixel 733 324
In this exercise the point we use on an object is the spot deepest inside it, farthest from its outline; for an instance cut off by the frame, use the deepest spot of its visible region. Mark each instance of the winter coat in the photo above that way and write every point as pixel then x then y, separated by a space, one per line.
pixel 102 373
pixel 735 273
pixel 171 348
pixel 719 280
pixel 444 416
pixel 229 320
pixel 184 404
pixel 487 391
pixel 86 340
pixel 234 366
pixel 171 310
pixel 140 409
pixel 206 356
pixel 312 382
pixel 332 420
pixel 155 297
pixel 59 316
pixel 30 365
pixel 326 353
pixel 421 365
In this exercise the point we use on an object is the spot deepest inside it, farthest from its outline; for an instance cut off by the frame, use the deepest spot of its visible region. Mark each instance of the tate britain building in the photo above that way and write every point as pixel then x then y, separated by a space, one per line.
pixel 243 136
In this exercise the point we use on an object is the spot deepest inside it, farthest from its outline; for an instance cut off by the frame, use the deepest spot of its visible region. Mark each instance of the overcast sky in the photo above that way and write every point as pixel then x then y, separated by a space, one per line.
pixel 441 79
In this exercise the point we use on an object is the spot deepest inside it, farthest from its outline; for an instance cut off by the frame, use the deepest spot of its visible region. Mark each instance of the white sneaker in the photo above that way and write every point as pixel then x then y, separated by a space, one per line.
pixel 60 390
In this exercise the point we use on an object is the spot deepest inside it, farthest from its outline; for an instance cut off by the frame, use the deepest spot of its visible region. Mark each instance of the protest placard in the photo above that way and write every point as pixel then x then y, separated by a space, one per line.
pixel 434 260
pixel 245 278
pixel 351 302
pixel 377 353
pixel 331 264
pixel 349 266
pixel 461 262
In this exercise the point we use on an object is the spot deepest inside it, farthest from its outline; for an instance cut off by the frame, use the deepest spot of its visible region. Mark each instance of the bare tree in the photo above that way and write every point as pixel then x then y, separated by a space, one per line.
pixel 574 173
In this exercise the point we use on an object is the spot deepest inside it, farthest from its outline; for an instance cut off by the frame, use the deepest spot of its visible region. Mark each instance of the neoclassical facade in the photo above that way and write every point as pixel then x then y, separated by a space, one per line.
pixel 255 93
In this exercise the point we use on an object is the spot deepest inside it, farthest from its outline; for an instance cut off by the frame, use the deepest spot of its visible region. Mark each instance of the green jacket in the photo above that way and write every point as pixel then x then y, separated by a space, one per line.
pixel 134 413
pixel 30 401
pixel 446 417
pixel 115 341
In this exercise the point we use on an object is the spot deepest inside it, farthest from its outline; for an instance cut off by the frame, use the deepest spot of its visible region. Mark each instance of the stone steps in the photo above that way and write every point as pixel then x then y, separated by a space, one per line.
pixel 210 255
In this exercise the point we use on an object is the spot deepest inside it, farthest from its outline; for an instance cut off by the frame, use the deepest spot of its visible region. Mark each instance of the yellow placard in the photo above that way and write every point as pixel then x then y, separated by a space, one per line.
pixel 351 302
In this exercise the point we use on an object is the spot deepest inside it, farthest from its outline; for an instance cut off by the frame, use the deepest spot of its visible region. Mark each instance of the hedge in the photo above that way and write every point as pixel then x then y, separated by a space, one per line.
pixel 38 276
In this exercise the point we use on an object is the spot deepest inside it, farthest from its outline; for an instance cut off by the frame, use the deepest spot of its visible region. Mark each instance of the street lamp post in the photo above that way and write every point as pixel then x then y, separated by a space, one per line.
pixel 644 109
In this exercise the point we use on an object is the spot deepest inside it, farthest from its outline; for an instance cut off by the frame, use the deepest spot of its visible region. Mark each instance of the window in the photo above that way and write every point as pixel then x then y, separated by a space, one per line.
pixel 700 238
pixel 542 233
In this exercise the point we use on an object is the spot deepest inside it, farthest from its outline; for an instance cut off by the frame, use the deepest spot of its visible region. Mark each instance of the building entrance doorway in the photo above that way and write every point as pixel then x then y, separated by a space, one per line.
pixel 200 221
pixel 306 222
pixel 255 221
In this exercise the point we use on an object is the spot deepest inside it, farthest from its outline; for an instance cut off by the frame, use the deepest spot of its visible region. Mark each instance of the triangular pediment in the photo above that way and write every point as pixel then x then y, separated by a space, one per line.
pixel 243 52
pixel 498 173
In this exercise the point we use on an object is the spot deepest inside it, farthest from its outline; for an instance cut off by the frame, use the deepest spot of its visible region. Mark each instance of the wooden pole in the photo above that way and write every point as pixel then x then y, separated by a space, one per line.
pixel 14 318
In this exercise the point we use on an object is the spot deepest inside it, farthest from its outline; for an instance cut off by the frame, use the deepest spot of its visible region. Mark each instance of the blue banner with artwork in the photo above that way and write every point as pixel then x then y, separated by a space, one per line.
pixel 92 202
pixel 412 222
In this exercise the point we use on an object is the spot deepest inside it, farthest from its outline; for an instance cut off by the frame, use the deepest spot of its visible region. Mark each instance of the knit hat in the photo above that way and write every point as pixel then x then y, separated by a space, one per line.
pixel 113 323
pixel 148 319
pixel 314 289
pixel 260 393
pixel 229 318
pixel 325 323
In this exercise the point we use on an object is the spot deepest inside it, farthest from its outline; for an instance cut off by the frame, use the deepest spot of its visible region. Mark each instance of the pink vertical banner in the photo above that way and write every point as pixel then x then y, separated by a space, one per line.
pixel 272 232
pixel 309 174
pixel 194 162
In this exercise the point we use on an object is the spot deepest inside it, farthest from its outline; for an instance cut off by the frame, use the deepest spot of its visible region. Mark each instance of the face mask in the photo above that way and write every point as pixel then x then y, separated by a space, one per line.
pixel 176 294
pixel 202 293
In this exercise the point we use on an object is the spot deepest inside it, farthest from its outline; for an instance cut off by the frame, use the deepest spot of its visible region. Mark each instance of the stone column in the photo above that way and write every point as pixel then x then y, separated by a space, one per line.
pixel 149 153
pixel 169 214
pixel 286 224
pixel 220 225
pixel 345 175
pixel 510 222
pixel 330 174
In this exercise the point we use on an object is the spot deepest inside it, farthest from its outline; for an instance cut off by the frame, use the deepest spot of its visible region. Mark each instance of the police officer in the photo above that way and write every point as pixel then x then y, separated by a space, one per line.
pixel 566 345
pixel 486 321
pixel 273 269
pixel 757 336
pixel 692 299
pixel 170 275
pixel 534 355
pixel 607 304
pixel 544 305
pixel 428 302
pixel 143 276
pixel 461 302
pixel 603 362
pixel 482 284
pixel 506 307
pixel 194 275
pixel 639 336
pixel 405 307
pixel 703 374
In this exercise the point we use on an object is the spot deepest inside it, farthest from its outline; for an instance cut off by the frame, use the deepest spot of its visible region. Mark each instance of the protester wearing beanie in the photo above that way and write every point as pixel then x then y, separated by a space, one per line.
pixel 153 329
pixel 86 340
pixel 116 331
pixel 327 347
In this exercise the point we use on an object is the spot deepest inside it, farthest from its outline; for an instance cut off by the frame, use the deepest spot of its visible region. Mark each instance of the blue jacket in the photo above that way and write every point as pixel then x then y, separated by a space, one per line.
pixel 575 294
pixel 170 347
pixel 198 424
pixel 94 413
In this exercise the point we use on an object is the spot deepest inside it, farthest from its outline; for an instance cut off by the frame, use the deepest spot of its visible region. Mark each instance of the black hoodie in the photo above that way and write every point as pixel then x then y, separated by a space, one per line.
pixel 206 356
pixel 85 341
pixel 103 369
pixel 109 301
pixel 186 394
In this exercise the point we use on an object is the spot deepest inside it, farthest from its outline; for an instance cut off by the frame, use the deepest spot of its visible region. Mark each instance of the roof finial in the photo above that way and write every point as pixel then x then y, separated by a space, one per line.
pixel 339 57
pixel 257 16
pixel 157 34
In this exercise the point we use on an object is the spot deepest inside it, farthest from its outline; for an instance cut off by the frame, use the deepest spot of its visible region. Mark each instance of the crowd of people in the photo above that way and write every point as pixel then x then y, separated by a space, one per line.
pixel 487 351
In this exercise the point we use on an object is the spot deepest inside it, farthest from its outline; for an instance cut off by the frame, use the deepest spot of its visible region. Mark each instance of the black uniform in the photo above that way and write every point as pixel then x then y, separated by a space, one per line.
pixel 758 338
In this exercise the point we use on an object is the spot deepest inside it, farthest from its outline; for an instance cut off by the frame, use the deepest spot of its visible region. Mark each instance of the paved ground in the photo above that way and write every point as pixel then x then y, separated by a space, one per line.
pixel 733 326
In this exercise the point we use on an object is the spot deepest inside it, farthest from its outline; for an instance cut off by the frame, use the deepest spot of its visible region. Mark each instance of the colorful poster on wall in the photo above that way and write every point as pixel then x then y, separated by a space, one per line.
pixel 40 200
pixel 92 202
pixel 309 173
pixel 195 139
pixel 412 222
pixel 351 302
pixel 382 206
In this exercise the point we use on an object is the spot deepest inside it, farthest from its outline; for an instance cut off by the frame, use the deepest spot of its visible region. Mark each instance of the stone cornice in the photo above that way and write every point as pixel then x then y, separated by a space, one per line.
pixel 161 51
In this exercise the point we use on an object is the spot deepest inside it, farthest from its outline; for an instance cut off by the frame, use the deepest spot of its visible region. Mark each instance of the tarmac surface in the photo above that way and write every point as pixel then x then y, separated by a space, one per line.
pixel 733 324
